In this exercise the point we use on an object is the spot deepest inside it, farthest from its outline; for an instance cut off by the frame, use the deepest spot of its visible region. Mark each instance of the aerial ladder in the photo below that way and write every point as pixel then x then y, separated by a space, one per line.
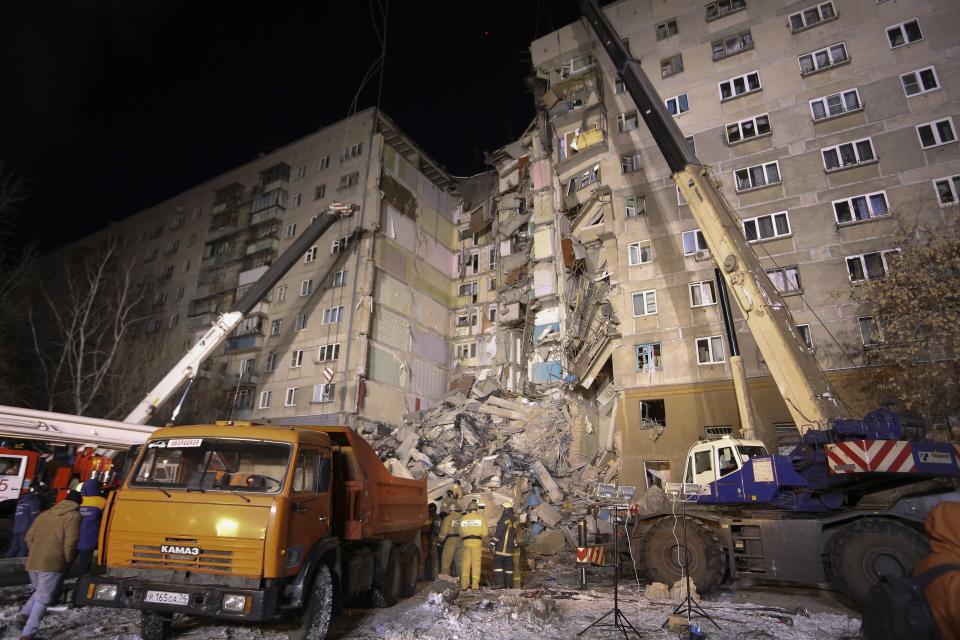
pixel 854 492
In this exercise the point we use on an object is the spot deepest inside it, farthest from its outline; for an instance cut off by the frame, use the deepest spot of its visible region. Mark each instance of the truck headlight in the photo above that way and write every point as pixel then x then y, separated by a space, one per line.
pixel 105 592
pixel 234 603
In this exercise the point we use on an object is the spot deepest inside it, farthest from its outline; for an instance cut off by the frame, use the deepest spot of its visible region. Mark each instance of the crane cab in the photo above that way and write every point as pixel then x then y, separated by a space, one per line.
pixel 711 460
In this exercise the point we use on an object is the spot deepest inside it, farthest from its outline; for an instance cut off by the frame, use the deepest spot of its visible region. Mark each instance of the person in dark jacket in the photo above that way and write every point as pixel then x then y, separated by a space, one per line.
pixel 91 512
pixel 29 507
pixel 504 542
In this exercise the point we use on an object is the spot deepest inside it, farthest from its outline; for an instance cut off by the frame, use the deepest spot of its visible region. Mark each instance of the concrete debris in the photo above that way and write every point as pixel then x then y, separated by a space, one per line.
pixel 653 501
pixel 679 591
pixel 656 591
pixel 549 542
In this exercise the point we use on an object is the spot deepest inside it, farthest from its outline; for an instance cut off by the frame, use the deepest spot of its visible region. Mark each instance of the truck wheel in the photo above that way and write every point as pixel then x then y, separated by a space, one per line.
pixel 411 571
pixel 661 548
pixel 386 586
pixel 154 626
pixel 315 619
pixel 864 550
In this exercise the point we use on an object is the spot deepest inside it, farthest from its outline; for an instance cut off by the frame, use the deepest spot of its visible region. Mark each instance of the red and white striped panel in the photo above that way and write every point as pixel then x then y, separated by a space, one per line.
pixel 864 456
pixel 590 555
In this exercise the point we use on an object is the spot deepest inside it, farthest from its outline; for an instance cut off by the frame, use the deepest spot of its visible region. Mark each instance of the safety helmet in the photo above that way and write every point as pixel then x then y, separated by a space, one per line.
pixel 508 504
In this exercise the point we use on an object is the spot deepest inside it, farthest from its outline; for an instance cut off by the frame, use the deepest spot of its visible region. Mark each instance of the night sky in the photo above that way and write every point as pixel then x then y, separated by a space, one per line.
pixel 110 106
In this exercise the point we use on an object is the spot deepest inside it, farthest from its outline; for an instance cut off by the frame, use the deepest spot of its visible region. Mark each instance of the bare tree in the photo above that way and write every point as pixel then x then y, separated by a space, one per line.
pixel 80 330
pixel 14 270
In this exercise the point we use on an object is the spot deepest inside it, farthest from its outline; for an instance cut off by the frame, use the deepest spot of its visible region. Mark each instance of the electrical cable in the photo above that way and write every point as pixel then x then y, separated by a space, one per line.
pixel 636 573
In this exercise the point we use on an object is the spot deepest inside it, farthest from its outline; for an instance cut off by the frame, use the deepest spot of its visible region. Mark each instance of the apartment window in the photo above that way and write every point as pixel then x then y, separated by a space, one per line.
pixel 812 16
pixel 465 351
pixel 747 129
pixel 786 279
pixel 299 172
pixel 349 180
pixel 291 231
pixel 709 350
pixel 947 190
pixel 295 201
pixel 703 294
pixel 353 150
pixel 716 10
pixel 323 392
pixel 849 154
pixel 585 179
pixel 627 121
pixel 731 45
pixel 865 207
pixel 639 253
pixel 671 66
pixel 492 314
pixel 281 293
pixel 491 284
pixel 648 357
pixel 306 288
pixel 804 331
pixel 179 294
pixel 934 134
pixel 823 59
pixel 333 314
pixel 174 319
pixel 328 352
pixel 468 289
pixel 311 255
pixel 492 259
pixel 774 225
pixel 276 326
pixel 740 85
pixel 272 359
pixel 296 358
pixel 186 266
pixel 575 66
pixel 160 297
pixel 644 303
pixel 178 221
pixel 468 320
pixel 301 322
pixel 756 176
pixel 619 86
pixel 472 262
pixel 678 104
pixel 339 278
pixel 197 213
pixel 870 266
pixel 633 206
pixel 631 162
pixel 290 400
pixel 265 399
pixel 680 199
pixel 920 81
pixel 835 104
pixel 324 162
pixel 340 244
pixel 320 191
pixel 904 33
pixel 693 242
pixel 869 332
pixel 666 29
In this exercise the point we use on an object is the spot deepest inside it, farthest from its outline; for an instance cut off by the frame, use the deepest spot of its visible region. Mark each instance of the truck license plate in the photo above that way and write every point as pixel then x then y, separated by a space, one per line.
pixel 167 597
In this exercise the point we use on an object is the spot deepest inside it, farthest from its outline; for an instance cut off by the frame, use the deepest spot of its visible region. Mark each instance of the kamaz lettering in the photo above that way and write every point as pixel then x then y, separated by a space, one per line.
pixel 180 551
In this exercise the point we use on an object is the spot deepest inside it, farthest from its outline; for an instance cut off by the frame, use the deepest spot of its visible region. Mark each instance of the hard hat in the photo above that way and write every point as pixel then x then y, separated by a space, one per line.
pixel 508 504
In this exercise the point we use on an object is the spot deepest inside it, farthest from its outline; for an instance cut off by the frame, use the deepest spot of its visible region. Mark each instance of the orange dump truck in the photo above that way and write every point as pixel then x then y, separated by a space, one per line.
pixel 256 523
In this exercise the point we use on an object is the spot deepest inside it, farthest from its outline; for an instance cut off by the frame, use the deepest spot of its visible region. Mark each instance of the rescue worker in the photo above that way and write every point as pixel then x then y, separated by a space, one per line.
pixel 943 593
pixel 428 541
pixel 449 537
pixel 91 512
pixel 29 507
pixel 503 543
pixel 473 529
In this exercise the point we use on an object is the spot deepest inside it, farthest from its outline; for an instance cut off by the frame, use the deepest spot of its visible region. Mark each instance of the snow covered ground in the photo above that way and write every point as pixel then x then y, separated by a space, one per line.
pixel 550 607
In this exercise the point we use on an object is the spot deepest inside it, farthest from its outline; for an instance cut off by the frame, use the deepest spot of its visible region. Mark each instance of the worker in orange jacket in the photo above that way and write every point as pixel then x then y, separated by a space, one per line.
pixel 473 529
pixel 943 593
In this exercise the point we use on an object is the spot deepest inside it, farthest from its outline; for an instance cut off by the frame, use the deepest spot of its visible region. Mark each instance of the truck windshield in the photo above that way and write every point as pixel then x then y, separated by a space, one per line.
pixel 750 451
pixel 218 464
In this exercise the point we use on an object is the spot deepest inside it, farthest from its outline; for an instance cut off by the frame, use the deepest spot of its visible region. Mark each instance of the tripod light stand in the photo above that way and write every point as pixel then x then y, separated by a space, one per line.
pixel 692 607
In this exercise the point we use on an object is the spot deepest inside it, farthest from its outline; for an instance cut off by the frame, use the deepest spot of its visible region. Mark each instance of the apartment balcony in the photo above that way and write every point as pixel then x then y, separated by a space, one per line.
pixel 279 184
pixel 242 344
pixel 247 379
pixel 218 208
pixel 592 145
pixel 201 321
pixel 219 259
pixel 265 244
pixel 222 231
pixel 270 214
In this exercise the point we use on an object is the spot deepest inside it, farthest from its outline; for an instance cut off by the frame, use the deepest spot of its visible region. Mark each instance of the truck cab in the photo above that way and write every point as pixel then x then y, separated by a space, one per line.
pixel 711 460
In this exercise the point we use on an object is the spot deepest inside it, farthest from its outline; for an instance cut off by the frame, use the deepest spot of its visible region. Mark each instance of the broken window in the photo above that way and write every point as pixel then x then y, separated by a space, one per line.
pixel 710 350
pixel 703 293
pixel 656 472
pixel 865 207
pixel 671 66
pixel 323 392
pixel 628 121
pixel 869 332
pixel 920 81
pixel 644 303
pixel 693 242
pixel 740 85
pixel 466 351
pixel 634 206
pixel 575 66
pixel 835 104
pixel 721 8
pixel 678 104
pixel 584 180
pixel 747 129
pixel 639 253
pixel 870 266
pixel 759 175
pixel 947 190
pixel 823 59
pixel 666 29
pixel 786 279
pixel 653 412
pixel 812 16
pixel 730 45
pixel 848 154
pixel 468 290
pixel 648 357
pixel 904 33
pixel 774 225
pixel 934 134
pixel 332 315
pixel 631 162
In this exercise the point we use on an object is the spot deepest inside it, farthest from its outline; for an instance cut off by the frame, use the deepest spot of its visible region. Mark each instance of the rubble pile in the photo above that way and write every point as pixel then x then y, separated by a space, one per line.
pixel 497 446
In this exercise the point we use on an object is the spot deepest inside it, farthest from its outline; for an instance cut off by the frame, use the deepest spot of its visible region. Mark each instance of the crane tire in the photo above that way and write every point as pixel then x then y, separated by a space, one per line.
pixel 660 546
pixel 865 549
pixel 386 585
